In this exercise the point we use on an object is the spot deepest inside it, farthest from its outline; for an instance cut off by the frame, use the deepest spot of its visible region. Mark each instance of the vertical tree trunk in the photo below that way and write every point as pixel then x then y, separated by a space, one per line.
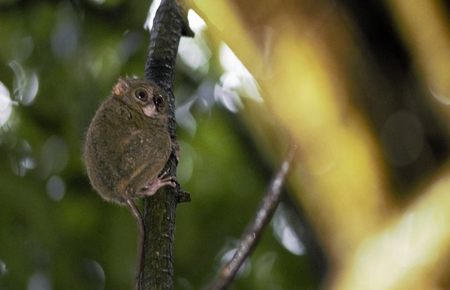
pixel 159 210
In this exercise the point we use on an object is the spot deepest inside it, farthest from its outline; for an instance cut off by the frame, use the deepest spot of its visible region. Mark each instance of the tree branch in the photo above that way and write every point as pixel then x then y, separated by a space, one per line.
pixel 255 228
pixel 156 268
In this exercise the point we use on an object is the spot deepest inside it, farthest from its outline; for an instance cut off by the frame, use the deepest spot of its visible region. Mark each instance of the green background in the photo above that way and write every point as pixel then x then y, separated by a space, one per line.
pixel 55 232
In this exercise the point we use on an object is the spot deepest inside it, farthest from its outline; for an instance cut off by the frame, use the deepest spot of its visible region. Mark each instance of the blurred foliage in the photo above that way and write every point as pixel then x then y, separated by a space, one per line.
pixel 348 80
pixel 362 87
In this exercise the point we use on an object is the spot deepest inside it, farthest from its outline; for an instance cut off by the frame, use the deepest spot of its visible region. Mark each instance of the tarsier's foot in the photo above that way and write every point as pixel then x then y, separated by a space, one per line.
pixel 152 187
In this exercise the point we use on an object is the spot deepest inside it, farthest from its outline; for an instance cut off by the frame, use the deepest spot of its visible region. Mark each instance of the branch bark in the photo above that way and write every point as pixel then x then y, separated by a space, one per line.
pixel 156 269
pixel 255 228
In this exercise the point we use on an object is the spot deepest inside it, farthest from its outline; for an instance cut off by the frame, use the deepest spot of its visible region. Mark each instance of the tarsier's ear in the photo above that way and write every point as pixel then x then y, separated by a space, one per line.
pixel 121 87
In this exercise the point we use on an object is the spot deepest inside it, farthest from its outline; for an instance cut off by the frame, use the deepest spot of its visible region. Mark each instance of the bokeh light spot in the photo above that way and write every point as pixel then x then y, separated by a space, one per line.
pixel 98 2
pixel 151 14
pixel 3 269
pixel 186 165
pixel 39 281
pixel 66 33
pixel 226 93
pixel 195 54
pixel 196 23
pixel 184 117
pixel 96 273
pixel 235 80
pixel 22 161
pixel 54 155
pixel 56 188
pixel 285 234
pixel 5 104
pixel 26 84
pixel 246 267
pixel 441 98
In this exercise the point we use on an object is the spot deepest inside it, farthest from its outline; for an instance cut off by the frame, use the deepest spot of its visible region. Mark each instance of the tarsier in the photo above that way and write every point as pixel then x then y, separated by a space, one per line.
pixel 128 144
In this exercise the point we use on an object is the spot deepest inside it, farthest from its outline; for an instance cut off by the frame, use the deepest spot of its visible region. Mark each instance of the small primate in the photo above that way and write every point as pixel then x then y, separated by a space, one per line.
pixel 128 144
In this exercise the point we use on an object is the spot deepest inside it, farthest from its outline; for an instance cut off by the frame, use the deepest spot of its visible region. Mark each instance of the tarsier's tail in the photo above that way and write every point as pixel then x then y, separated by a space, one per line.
pixel 138 216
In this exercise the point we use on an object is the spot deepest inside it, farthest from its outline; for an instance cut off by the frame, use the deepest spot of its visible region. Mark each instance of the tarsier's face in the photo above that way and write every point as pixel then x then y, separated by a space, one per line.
pixel 143 96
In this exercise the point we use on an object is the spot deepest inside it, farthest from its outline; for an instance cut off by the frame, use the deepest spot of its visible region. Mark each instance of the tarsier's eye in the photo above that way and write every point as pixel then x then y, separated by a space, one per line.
pixel 141 95
pixel 158 100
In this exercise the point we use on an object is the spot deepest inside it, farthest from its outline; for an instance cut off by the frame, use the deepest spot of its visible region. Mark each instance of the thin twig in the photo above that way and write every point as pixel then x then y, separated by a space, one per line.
pixel 255 228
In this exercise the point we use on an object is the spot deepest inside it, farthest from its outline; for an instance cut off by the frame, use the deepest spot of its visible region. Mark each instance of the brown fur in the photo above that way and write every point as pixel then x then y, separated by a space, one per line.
pixel 126 150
